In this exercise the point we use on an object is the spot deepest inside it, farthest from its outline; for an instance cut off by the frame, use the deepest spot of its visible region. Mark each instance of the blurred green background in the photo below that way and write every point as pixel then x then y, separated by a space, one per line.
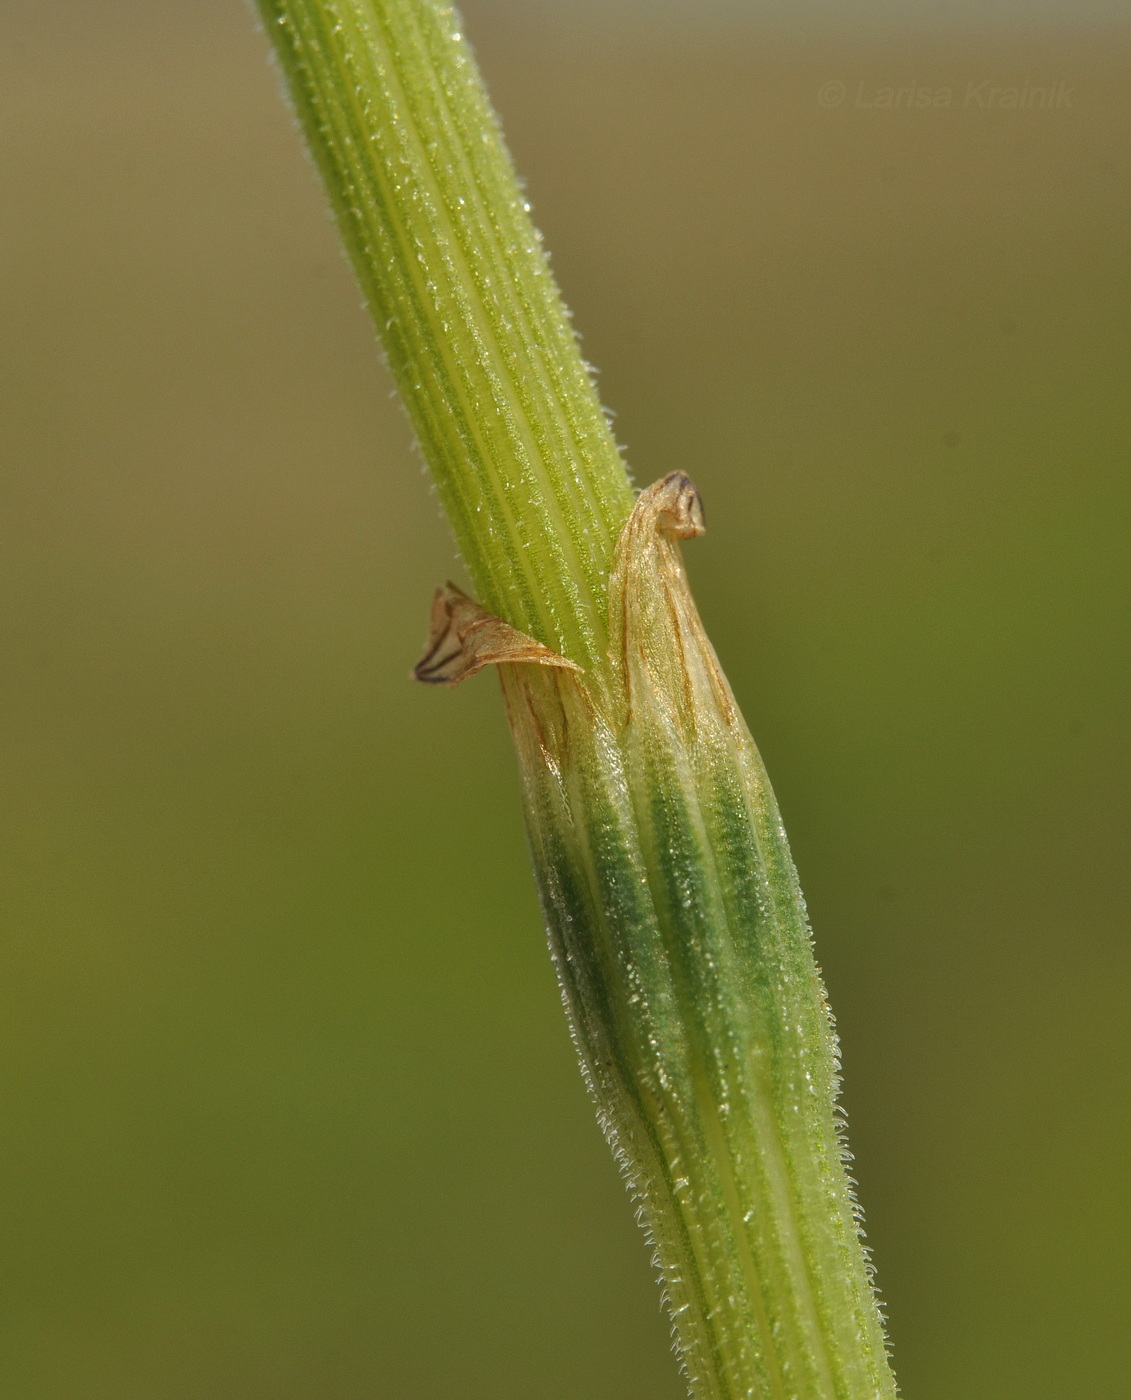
pixel 289 1106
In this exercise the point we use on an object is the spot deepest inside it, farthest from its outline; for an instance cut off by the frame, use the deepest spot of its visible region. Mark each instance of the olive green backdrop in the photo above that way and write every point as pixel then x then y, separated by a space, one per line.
pixel 289 1109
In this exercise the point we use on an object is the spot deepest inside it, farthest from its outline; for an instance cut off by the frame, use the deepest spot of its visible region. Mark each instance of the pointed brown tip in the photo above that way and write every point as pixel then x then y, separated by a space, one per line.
pixel 463 638
pixel 676 506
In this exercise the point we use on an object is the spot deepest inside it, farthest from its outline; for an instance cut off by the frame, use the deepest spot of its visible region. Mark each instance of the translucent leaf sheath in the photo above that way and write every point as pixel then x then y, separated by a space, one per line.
pixel 672 906
pixel 680 938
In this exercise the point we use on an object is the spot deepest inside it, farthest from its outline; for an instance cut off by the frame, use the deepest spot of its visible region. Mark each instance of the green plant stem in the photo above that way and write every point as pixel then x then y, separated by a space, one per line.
pixel 671 901
pixel 474 329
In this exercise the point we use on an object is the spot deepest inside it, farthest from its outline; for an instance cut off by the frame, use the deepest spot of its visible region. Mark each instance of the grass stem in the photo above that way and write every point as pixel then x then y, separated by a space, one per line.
pixel 673 910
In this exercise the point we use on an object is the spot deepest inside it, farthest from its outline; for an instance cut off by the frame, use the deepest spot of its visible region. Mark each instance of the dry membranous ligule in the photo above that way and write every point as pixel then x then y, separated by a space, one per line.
pixel 463 638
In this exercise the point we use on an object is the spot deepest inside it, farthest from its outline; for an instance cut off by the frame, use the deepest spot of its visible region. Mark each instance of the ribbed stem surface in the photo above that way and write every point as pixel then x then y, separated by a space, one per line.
pixel 671 901
pixel 471 321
